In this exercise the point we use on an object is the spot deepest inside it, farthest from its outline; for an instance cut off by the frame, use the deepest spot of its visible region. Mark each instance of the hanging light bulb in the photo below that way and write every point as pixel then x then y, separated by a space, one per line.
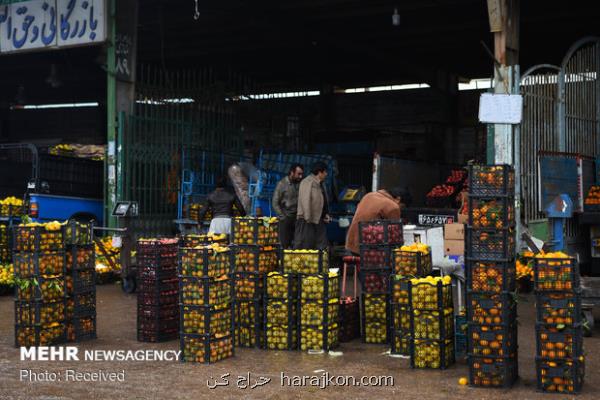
pixel 396 18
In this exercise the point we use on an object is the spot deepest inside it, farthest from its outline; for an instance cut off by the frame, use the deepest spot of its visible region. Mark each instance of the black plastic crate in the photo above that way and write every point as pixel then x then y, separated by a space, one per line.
pixel 39 313
pixel 321 337
pixel 491 180
pixel 249 230
pixel 411 263
pixel 248 286
pixel 256 259
pixel 320 312
pixel 490 244
pixel 249 312
pixel 80 281
pixel 318 287
pixel 558 308
pixel 194 240
pixel 305 261
pixel 81 328
pixel 41 289
pixel 281 337
pixel 400 288
pixel 431 354
pixel 10 211
pixel 556 274
pixel 380 232
pixel 400 343
pixel 493 372
pixel 492 340
pixel 158 292
pixel 40 335
pixel 437 325
pixel 375 331
pixel 151 261
pixel 282 286
pixel 249 336
pixel 81 305
pixel 460 336
pixel 491 309
pixel 35 264
pixel 145 271
pixel 491 212
pixel 491 276
pixel 432 296
pixel 375 307
pixel 158 312
pixel 203 262
pixel 206 291
pixel 157 330
pixel 80 258
pixel 553 343
pixel 560 376
pixel 281 312
pixel 349 320
pixel 401 319
pixel 158 248
pixel 78 233
pixel 206 320
pixel 204 349
pixel 37 238
pixel 375 256
pixel 375 281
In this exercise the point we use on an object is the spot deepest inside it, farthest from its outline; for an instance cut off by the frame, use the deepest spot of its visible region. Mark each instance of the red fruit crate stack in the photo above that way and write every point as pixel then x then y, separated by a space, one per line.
pixel 491 278
pixel 157 290
pixel 377 240
pixel 560 360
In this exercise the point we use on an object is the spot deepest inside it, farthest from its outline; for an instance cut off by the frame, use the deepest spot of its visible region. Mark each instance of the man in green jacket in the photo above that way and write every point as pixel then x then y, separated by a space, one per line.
pixel 285 204
pixel 311 232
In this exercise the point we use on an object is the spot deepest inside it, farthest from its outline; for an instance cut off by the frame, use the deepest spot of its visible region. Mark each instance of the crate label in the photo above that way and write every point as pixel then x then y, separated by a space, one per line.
pixel 435 220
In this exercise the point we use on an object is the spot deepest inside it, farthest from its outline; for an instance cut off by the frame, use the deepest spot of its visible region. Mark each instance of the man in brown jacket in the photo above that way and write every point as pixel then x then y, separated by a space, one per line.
pixel 382 204
pixel 311 232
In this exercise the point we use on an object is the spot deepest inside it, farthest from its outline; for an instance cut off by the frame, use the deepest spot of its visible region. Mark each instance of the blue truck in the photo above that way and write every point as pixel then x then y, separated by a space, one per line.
pixel 53 187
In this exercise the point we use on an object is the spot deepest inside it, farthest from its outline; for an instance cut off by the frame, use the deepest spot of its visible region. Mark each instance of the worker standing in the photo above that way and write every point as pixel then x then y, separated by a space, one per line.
pixel 285 204
pixel 311 232
pixel 221 203
pixel 382 204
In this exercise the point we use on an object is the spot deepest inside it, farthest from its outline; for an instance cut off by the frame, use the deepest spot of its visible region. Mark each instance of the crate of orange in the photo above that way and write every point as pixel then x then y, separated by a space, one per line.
pixel 493 372
pixel 491 213
pixel 555 272
pixel 491 309
pixel 491 276
pixel 558 308
pixel 492 340
pixel 560 376
pixel 559 342
pixel 205 349
pixel 492 180
pixel 592 200
pixel 490 244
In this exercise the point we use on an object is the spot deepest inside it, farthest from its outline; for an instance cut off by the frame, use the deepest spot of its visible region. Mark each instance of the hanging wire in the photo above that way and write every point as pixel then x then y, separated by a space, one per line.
pixel 196 10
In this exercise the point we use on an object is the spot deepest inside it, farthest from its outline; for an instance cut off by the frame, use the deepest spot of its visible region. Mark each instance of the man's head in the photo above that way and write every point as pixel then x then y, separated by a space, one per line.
pixel 319 170
pixel 401 196
pixel 221 182
pixel 296 173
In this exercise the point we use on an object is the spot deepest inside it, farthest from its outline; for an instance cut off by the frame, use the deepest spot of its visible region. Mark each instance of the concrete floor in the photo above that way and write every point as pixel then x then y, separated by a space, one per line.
pixel 174 380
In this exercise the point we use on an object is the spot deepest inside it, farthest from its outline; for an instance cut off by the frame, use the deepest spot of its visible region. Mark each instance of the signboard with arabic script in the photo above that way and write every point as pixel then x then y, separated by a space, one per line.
pixel 46 24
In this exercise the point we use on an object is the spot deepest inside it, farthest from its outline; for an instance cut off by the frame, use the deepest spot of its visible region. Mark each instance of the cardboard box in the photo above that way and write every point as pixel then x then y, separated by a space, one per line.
pixel 454 247
pixel 463 219
pixel 454 231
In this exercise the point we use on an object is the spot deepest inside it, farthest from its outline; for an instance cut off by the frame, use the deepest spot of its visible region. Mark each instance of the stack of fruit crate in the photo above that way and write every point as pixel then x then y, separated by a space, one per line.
pixel 157 290
pixel 432 322
pixel 377 240
pixel 256 252
pixel 491 277
pixel 560 361
pixel 206 302
pixel 281 311
pixel 319 311
pixel 80 281
pixel 409 262
pixel 40 296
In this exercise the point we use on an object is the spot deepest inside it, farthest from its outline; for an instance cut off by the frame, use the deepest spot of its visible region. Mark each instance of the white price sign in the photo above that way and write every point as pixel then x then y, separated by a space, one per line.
pixel 500 108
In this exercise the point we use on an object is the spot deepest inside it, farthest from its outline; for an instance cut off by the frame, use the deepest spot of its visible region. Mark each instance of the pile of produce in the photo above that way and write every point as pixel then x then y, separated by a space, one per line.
pixel 194 240
pixel 11 207
pixel 261 231
pixel 104 251
pixel 7 277
pixel 491 213
pixel 256 259
pixel 412 260
pixel 381 232
pixel 305 261
pixel 206 349
pixel 205 261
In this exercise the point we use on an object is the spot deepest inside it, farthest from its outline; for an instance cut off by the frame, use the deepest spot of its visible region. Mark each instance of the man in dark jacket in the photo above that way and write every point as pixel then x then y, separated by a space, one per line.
pixel 285 204
pixel 221 202
pixel 311 232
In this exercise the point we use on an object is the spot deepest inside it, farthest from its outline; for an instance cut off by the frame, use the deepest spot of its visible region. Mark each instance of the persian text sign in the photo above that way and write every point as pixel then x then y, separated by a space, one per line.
pixel 41 24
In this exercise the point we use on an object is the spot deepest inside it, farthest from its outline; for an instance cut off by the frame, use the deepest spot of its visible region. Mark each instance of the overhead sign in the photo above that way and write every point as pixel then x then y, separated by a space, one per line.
pixel 500 108
pixel 47 24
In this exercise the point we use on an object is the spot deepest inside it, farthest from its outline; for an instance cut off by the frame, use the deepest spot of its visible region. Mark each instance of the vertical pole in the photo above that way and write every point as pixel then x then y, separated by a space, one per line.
pixel 111 115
